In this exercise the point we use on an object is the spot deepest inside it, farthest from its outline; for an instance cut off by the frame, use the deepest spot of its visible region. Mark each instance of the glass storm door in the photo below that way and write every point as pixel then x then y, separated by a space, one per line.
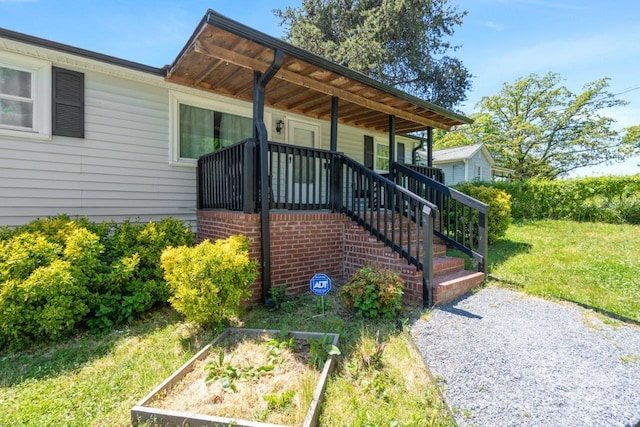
pixel 304 170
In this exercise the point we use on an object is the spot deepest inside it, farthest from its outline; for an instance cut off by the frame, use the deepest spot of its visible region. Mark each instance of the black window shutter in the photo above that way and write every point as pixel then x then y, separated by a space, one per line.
pixel 67 96
pixel 400 153
pixel 368 151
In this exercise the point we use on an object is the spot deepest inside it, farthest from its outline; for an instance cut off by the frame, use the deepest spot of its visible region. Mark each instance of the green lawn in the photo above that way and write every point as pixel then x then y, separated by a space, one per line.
pixel 590 263
pixel 95 381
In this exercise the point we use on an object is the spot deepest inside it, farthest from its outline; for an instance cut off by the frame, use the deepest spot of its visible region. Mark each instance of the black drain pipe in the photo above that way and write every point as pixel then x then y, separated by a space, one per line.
pixel 260 81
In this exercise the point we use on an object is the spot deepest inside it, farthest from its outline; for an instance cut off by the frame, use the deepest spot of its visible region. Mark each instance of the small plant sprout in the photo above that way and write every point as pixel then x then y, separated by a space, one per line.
pixel 320 350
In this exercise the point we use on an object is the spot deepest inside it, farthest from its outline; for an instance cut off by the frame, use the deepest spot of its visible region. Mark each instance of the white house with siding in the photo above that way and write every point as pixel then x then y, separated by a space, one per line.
pixel 465 164
pixel 87 134
pixel 207 138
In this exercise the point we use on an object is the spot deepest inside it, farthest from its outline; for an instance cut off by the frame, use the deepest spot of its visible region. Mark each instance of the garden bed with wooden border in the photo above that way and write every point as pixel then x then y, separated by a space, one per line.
pixel 159 408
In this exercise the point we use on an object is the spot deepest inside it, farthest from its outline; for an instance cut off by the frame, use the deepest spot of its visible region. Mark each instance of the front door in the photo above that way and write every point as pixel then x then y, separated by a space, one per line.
pixel 305 171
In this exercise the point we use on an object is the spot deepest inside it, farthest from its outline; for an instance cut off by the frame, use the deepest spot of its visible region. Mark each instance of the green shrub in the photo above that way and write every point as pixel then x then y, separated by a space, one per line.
pixel 498 214
pixel 373 293
pixel 24 253
pixel 153 239
pixel 601 199
pixel 209 281
pixel 111 272
pixel 630 210
pixel 135 280
pixel 47 305
pixel 83 250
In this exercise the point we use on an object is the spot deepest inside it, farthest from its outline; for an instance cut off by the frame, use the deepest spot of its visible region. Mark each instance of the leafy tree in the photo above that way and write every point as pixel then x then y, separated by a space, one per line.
pixel 541 129
pixel 398 42
pixel 632 136
pixel 458 138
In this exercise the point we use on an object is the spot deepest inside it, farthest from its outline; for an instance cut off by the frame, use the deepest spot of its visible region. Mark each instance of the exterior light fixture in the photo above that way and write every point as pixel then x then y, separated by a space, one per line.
pixel 279 126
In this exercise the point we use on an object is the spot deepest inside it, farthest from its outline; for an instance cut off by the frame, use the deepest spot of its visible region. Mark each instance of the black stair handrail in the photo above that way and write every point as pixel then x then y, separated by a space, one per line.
pixel 463 220
pixel 397 217
pixel 430 171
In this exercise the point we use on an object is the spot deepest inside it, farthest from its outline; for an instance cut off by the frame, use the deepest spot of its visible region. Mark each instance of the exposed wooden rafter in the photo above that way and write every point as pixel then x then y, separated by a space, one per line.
pixel 204 47
pixel 222 56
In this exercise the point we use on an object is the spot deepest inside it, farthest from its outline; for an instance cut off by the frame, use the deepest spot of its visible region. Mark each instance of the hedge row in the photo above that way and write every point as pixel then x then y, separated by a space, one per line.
pixel 498 213
pixel 59 275
pixel 602 199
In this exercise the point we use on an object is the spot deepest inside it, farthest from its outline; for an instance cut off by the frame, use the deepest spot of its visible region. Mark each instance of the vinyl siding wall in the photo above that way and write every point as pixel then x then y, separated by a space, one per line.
pixel 121 169
pixel 457 172
pixel 479 160
pixel 453 172
pixel 350 139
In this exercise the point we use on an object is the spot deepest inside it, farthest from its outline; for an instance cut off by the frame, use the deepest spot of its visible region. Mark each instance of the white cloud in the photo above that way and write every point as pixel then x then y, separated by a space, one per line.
pixel 625 116
pixel 494 26
pixel 628 167
pixel 577 59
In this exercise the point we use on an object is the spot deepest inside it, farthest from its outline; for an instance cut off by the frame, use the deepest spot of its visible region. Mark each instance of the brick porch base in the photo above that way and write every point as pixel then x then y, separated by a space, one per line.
pixel 306 243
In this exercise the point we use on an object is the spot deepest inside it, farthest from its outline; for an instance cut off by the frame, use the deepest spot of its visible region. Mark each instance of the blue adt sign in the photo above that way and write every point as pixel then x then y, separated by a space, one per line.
pixel 320 284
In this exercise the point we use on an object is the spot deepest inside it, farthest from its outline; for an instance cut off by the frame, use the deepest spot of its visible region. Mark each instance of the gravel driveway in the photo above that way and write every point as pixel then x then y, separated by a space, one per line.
pixel 503 358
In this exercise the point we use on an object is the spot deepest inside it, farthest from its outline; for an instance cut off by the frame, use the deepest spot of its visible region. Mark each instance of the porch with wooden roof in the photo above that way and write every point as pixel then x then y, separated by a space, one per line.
pixel 400 211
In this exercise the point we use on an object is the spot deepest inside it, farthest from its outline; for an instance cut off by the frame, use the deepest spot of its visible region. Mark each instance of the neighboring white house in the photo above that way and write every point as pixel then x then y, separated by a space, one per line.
pixel 465 164
pixel 88 134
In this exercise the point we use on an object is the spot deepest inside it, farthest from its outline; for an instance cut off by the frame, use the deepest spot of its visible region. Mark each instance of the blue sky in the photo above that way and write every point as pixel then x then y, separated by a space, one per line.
pixel 500 40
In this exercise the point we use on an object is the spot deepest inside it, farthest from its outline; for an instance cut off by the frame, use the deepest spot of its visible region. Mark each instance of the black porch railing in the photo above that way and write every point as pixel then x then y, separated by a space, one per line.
pixel 303 178
pixel 389 212
pixel 227 179
pixel 436 174
pixel 463 220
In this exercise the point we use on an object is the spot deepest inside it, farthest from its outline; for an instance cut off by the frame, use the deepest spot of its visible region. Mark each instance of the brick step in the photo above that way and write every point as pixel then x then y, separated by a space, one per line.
pixel 452 286
pixel 439 250
pixel 443 266
pixel 451 281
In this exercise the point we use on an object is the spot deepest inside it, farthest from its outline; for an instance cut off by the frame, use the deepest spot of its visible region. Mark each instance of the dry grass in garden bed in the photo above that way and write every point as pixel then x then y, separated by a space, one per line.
pixel 269 379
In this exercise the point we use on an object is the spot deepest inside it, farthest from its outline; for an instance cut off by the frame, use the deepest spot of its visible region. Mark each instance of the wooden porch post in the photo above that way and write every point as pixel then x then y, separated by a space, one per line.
pixel 336 167
pixel 260 133
pixel 430 146
pixel 392 141
pixel 333 144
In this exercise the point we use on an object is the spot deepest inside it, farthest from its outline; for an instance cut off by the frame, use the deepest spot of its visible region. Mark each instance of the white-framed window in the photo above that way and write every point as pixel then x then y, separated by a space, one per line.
pixel 478 176
pixel 382 157
pixel 201 125
pixel 25 96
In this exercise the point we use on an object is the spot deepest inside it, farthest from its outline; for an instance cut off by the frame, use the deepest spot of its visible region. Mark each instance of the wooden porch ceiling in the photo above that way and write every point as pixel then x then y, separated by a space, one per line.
pixel 222 55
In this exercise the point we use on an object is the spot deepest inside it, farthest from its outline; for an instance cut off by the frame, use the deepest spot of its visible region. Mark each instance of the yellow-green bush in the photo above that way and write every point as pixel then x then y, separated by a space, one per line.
pixel 498 213
pixel 373 293
pixel 209 281
pixel 59 274
pixel 46 306
pixel 21 254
